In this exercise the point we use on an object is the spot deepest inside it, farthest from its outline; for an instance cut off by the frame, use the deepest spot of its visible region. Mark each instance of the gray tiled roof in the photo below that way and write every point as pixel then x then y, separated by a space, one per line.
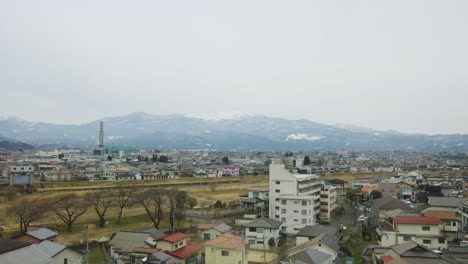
pixel 126 241
pixel 264 223
pixel 30 255
pixel 156 232
pixel 50 248
pixel 42 233
pixel 445 201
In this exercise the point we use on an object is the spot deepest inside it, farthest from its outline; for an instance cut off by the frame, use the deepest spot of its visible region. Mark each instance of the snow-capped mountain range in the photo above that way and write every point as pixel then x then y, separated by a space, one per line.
pixel 227 131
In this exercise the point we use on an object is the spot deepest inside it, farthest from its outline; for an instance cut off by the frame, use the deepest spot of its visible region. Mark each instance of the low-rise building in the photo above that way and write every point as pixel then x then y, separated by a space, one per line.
pixel 226 249
pixel 211 231
pixel 262 232
pixel 424 230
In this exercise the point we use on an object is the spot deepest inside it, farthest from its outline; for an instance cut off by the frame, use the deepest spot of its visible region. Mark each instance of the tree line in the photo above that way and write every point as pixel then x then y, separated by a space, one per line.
pixel 69 207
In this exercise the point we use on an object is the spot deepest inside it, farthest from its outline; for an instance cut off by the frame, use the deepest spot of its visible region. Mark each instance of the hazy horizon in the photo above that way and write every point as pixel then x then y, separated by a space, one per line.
pixel 393 65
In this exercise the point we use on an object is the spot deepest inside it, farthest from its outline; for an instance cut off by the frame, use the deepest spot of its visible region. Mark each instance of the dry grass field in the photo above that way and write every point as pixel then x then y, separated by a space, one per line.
pixel 207 191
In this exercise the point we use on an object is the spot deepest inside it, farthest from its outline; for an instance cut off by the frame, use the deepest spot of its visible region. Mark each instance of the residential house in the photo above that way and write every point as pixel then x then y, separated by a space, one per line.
pixel 29 254
pixel 294 198
pixel 210 231
pixel 122 246
pixel 463 209
pixel 189 254
pixel 7 245
pixel 231 171
pixel 366 191
pixel 382 205
pixel 226 249
pixel 421 229
pixel 256 199
pixel 160 258
pixel 449 219
pixel 173 241
pixel 408 252
pixel 444 203
pixel 315 250
pixel 263 232
pixel 178 247
pixel 60 253
pixel 38 235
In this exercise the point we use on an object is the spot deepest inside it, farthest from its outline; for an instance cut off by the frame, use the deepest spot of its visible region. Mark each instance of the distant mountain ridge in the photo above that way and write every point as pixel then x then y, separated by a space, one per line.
pixel 226 132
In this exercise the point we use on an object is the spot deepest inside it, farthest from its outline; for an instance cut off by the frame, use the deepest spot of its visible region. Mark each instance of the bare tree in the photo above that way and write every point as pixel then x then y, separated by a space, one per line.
pixel 124 199
pixel 27 211
pixel 101 201
pixel 152 201
pixel 68 208
pixel 172 195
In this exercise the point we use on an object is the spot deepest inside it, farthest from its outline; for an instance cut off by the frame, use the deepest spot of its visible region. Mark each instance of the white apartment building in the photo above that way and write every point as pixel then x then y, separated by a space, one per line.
pixel 294 198
pixel 327 201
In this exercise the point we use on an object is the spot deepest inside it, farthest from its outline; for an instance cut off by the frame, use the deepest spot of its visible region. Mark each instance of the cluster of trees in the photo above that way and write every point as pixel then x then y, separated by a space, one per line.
pixel 69 207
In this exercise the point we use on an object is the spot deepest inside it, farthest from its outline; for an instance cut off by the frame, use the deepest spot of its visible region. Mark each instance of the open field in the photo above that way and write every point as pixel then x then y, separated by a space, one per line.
pixel 134 218
pixel 207 191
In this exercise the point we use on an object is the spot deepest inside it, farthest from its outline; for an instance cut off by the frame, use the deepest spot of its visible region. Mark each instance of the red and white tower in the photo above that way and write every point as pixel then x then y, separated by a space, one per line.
pixel 101 135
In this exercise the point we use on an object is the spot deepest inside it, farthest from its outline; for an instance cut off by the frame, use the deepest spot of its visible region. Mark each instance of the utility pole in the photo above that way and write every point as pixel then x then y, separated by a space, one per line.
pixel 264 253
pixel 243 247
pixel 87 244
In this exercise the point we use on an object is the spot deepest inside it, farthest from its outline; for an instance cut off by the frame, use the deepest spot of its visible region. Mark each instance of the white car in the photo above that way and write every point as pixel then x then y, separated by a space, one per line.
pixel 342 227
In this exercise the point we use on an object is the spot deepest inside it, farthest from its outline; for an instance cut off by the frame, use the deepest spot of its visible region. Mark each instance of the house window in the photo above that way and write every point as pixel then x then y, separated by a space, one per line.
pixel 295 220
pixel 283 210
pixel 304 212
pixel 255 194
pixel 251 242
pixel 304 220
pixel 296 211
pixel 277 182
pixel 406 238
pixel 277 191
pixel 441 240
pixel 65 261
pixel 259 242
pixel 454 223
pixel 252 229
pixel 283 219
pixel 426 241
pixel 304 203
pixel 426 228
pixel 283 202
pixel 206 236
pixel 259 230
pixel 224 253
pixel 447 223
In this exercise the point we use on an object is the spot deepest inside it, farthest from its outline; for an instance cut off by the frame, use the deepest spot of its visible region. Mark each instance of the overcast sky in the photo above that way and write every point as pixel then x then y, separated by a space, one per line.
pixel 399 65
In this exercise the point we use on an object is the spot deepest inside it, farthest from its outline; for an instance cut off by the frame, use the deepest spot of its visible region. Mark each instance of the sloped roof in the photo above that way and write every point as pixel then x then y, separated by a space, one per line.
pixel 222 228
pixel 390 203
pixel 174 237
pixel 42 233
pixel 228 241
pixel 309 255
pixel 126 241
pixel 417 220
pixel 445 201
pixel 187 251
pixel 156 232
pixel 265 223
pixel 50 248
pixel 441 214
pixel 7 245
pixel 30 255
pixel 162 257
